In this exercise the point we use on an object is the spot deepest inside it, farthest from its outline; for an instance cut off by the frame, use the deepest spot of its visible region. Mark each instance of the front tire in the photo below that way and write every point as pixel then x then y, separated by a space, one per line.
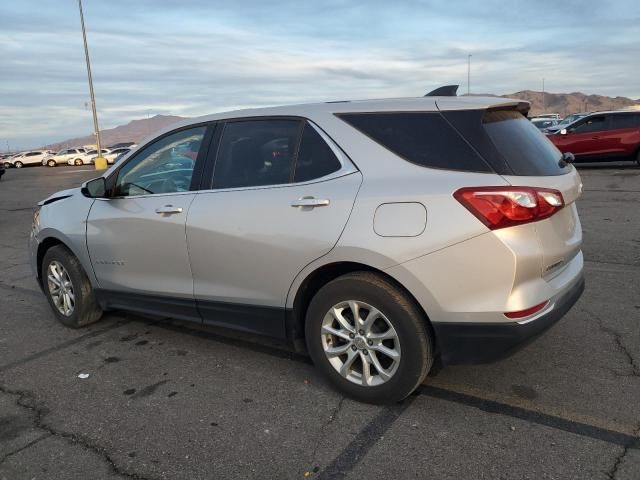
pixel 369 338
pixel 51 163
pixel 68 289
pixel 18 164
pixel 77 162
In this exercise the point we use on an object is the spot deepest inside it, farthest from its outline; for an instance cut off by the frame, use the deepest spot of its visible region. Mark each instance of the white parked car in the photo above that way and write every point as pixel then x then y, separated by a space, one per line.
pixel 71 156
pixel 113 154
pixel 25 159
pixel 90 157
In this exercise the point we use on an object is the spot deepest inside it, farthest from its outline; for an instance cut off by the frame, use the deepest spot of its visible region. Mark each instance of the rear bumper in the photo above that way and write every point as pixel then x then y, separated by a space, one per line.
pixel 467 343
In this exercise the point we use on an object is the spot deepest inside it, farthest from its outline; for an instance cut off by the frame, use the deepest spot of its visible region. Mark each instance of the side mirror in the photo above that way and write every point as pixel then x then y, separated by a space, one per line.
pixel 563 131
pixel 96 188
pixel 568 157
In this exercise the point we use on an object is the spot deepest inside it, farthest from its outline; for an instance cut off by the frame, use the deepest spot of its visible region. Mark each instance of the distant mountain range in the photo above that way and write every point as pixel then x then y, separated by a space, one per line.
pixel 134 131
pixel 562 103
pixel 566 103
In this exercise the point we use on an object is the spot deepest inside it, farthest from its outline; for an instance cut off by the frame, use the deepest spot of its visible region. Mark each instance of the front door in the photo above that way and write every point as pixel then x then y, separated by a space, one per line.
pixel 136 238
pixel 281 197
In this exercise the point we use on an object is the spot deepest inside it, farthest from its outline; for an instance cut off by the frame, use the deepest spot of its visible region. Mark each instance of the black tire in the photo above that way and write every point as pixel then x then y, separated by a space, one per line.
pixel 638 158
pixel 86 309
pixel 401 312
pixel 77 162
pixel 51 163
pixel 7 165
pixel 18 164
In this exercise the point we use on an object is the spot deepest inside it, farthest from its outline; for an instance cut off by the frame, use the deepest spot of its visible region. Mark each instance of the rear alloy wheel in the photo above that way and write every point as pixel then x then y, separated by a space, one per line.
pixel 68 289
pixel 77 162
pixel 18 164
pixel 51 163
pixel 7 165
pixel 369 338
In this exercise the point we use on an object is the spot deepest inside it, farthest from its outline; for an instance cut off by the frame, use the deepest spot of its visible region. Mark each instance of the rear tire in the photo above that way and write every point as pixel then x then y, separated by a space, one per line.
pixel 51 163
pixel 77 162
pixel 18 164
pixel 68 289
pixel 396 339
pixel 7 165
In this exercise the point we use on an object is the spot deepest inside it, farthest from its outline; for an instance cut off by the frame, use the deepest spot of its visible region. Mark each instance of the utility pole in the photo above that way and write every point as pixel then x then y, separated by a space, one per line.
pixel 468 74
pixel 101 162
pixel 543 105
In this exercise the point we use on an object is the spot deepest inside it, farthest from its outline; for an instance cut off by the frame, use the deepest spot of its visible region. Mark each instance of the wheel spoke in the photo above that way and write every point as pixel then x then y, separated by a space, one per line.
pixel 366 369
pixel 337 351
pixel 371 318
pixel 54 280
pixel 378 337
pixel 376 363
pixel 344 334
pixel 391 353
pixel 346 366
pixel 344 323
pixel 355 311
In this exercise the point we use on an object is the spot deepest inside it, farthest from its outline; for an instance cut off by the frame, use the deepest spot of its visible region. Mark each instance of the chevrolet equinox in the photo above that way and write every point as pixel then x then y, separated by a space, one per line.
pixel 379 236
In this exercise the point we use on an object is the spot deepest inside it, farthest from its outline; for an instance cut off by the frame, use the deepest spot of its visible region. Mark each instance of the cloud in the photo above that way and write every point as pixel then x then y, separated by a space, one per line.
pixel 196 57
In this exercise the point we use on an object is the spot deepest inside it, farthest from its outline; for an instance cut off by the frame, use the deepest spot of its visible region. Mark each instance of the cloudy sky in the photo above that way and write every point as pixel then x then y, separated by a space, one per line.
pixel 191 57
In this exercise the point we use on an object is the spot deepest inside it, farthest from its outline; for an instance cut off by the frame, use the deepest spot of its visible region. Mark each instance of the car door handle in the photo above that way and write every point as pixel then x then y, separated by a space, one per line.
pixel 168 210
pixel 310 202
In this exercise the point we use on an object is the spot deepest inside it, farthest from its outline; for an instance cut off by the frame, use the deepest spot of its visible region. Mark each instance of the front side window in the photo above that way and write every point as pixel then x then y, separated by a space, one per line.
pixel 315 158
pixel 165 166
pixel 593 124
pixel 256 153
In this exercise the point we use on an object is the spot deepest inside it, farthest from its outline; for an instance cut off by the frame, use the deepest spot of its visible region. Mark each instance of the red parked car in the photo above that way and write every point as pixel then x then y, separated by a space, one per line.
pixel 602 136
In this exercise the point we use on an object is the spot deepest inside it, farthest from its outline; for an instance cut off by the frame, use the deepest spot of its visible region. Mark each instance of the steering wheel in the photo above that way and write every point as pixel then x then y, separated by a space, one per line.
pixel 176 183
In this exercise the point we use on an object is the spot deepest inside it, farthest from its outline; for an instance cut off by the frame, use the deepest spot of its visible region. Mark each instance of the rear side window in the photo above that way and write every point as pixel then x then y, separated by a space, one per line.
pixel 315 158
pixel 256 153
pixel 591 124
pixel 626 120
pixel 423 138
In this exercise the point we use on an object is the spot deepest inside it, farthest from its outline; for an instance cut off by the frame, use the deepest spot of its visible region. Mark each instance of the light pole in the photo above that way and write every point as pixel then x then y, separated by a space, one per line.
pixel 468 74
pixel 101 162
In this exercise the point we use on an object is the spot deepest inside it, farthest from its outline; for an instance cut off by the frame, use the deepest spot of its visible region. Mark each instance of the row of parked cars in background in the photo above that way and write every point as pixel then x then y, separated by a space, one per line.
pixel 68 156
pixel 594 136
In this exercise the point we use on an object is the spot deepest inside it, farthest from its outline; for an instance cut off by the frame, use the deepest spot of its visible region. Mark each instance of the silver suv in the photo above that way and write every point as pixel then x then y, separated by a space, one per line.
pixel 379 236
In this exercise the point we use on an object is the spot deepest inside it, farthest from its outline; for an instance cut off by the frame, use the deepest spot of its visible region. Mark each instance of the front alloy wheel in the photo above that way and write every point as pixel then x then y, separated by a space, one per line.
pixel 360 343
pixel 61 288
pixel 51 163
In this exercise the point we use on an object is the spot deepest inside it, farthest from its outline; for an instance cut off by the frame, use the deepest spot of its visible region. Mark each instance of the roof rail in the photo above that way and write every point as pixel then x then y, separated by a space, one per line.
pixel 444 91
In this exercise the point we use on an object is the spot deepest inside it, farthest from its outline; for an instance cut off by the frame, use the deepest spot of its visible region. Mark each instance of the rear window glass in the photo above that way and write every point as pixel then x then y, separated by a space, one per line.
pixel 524 148
pixel 422 138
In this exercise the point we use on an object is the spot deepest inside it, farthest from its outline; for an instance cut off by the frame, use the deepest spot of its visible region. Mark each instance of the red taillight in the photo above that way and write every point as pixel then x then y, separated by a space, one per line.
pixel 499 207
pixel 527 312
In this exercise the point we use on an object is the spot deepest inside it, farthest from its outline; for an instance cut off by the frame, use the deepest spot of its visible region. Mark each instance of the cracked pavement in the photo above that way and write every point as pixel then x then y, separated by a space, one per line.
pixel 166 399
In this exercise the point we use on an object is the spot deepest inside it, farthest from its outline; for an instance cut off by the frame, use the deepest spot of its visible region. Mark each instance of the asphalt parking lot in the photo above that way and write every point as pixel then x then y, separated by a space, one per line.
pixel 170 400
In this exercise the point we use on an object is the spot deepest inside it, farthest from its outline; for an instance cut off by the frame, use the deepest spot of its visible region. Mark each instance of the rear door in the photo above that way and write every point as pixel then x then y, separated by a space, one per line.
pixel 626 141
pixel 280 197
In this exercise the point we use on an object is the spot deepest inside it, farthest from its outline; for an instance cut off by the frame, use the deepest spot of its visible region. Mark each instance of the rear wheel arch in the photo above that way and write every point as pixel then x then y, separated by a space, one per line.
pixel 323 275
